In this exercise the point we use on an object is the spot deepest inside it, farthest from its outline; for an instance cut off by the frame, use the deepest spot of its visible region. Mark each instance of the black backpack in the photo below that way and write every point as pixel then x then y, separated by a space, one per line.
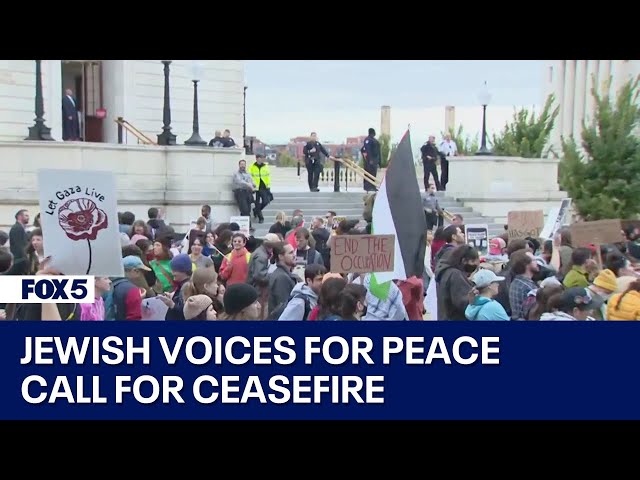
pixel 275 314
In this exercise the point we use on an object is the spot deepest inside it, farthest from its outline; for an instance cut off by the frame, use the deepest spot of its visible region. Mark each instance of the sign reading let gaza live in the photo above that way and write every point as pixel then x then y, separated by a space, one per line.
pixel 362 253
pixel 80 222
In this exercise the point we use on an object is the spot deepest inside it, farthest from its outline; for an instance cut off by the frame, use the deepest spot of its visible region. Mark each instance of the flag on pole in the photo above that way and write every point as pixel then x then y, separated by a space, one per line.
pixel 398 211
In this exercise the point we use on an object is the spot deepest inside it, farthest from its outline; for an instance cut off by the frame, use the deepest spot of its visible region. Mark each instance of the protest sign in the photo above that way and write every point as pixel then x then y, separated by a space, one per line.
pixel 153 309
pixel 525 223
pixel 79 221
pixel 556 219
pixel 478 237
pixel 244 223
pixel 362 253
pixel 599 232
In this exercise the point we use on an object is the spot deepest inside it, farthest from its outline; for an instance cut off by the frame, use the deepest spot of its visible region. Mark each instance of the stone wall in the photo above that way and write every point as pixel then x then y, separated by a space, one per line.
pixel 179 178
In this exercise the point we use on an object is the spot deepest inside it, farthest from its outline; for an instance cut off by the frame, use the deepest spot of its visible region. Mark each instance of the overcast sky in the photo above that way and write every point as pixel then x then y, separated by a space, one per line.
pixel 342 98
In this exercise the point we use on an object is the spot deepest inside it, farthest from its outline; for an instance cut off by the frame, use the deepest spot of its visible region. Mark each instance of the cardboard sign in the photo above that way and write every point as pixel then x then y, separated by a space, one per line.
pixel 478 237
pixel 79 218
pixel 556 219
pixel 245 224
pixel 599 232
pixel 525 223
pixel 362 253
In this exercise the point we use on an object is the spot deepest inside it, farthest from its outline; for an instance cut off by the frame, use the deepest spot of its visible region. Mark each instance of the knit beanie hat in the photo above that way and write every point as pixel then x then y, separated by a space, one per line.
pixel 239 296
pixel 195 305
pixel 606 280
pixel 181 263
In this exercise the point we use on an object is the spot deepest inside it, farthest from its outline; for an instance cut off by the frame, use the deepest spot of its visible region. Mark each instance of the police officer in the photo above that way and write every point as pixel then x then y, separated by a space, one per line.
pixel 371 154
pixel 313 161
pixel 429 158
pixel 261 176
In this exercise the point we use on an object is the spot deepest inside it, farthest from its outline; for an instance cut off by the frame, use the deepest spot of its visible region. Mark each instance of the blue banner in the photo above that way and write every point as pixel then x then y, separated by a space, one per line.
pixel 319 370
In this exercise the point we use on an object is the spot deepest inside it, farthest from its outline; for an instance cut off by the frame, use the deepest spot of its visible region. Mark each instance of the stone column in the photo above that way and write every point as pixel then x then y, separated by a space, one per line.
pixel 385 120
pixel 568 100
pixel 604 72
pixel 579 101
pixel 52 90
pixel 590 103
pixel 558 91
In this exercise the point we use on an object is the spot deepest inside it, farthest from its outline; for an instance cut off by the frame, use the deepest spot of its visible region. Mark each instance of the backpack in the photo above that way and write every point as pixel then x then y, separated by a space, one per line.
pixel 110 308
pixel 275 314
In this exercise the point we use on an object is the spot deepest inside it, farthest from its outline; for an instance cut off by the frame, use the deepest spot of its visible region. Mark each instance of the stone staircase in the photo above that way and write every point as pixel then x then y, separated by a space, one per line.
pixel 350 205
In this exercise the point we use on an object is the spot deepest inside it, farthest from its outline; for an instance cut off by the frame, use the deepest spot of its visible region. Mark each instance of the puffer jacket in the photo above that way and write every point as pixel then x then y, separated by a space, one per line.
pixel 624 306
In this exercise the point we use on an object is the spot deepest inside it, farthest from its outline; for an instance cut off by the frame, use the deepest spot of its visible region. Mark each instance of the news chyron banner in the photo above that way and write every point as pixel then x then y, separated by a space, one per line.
pixel 319 370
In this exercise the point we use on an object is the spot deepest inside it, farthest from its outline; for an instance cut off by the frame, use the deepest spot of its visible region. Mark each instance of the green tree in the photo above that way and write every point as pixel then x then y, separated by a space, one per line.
pixel 465 144
pixel 527 136
pixel 603 177
pixel 385 149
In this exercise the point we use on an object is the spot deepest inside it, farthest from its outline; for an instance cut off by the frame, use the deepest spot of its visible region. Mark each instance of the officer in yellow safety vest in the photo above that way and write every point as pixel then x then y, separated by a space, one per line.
pixel 261 175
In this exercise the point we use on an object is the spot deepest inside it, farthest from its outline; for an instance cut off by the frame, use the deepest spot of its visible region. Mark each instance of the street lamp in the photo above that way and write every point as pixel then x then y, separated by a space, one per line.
pixel 196 71
pixel 166 137
pixel 244 120
pixel 39 131
pixel 485 98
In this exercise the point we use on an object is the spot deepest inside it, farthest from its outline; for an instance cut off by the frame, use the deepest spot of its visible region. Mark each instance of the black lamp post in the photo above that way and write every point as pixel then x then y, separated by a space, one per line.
pixel 195 138
pixel 39 131
pixel 166 137
pixel 485 98
pixel 244 120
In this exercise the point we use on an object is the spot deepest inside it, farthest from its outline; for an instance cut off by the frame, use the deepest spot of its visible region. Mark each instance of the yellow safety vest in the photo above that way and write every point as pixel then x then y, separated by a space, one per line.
pixel 261 173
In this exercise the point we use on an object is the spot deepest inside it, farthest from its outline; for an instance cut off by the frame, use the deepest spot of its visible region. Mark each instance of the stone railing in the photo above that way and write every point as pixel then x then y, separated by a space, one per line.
pixel 178 178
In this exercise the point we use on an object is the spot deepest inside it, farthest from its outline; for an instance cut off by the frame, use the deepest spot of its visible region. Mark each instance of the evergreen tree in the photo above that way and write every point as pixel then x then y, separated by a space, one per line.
pixel 385 149
pixel 603 177
pixel 527 136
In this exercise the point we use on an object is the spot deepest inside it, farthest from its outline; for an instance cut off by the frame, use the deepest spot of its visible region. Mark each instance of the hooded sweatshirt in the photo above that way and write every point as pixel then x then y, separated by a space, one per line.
pixel 295 308
pixel 453 286
pixel 484 308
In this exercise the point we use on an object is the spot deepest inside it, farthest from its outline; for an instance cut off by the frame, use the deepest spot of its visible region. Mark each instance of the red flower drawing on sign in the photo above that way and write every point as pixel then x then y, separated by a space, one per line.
pixel 81 219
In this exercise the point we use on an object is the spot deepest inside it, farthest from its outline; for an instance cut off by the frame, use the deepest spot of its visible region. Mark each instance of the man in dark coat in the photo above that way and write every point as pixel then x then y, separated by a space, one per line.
pixel 430 156
pixel 313 161
pixel 18 235
pixel 372 157
pixel 70 122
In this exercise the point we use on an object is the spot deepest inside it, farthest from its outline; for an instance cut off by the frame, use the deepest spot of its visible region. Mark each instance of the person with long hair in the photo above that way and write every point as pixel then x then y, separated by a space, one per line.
pixel 161 263
pixel 146 246
pixel 35 251
pixel 222 247
pixel 280 227
pixel 196 246
pixel 241 303
pixel 542 301
pixel 625 305
pixel 204 281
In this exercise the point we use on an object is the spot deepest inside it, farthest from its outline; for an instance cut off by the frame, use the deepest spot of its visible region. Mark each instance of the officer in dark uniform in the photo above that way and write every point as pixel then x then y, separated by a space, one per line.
pixel 430 155
pixel 313 161
pixel 371 154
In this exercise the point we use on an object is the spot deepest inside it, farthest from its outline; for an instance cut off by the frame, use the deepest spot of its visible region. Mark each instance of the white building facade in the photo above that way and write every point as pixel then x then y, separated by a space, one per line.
pixel 131 89
pixel 571 82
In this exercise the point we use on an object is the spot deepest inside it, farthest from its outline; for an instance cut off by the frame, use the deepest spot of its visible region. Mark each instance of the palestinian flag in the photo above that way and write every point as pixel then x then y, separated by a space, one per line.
pixel 398 211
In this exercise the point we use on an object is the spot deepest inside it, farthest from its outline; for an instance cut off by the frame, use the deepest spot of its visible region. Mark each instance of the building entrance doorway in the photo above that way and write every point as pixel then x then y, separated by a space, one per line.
pixel 84 78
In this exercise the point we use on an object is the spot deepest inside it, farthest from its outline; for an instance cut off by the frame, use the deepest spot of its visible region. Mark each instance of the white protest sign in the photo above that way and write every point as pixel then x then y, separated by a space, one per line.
pixel 245 224
pixel 556 219
pixel 79 218
pixel 478 237
pixel 153 309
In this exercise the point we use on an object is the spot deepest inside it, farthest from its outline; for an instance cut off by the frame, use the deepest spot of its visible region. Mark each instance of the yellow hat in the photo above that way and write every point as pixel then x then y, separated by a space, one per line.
pixel 606 280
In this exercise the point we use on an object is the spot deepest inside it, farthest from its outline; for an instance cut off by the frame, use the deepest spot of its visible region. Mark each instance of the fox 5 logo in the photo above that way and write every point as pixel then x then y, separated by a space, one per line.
pixel 57 289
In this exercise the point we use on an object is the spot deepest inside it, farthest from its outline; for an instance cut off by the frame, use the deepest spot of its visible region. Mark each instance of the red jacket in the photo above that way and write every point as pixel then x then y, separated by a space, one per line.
pixel 412 291
pixel 235 266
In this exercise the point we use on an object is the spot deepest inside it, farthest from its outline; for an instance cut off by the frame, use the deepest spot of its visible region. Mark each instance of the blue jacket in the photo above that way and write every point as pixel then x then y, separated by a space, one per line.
pixel 484 308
